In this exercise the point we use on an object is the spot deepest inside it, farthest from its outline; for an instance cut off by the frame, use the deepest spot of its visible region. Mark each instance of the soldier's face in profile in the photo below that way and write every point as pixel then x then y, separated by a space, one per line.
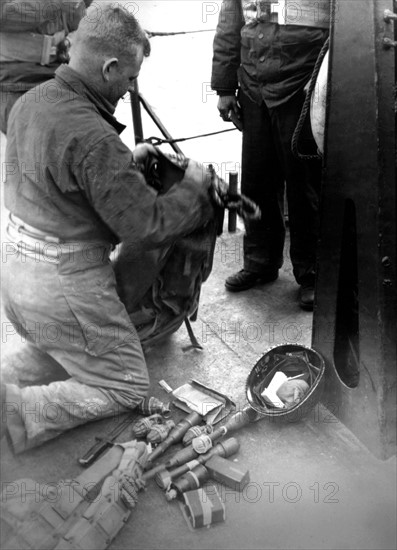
pixel 126 73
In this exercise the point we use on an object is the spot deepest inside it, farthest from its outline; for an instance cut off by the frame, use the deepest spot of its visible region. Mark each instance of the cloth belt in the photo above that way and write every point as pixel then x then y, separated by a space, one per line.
pixel 307 13
pixel 29 230
pixel 41 246
pixel 30 47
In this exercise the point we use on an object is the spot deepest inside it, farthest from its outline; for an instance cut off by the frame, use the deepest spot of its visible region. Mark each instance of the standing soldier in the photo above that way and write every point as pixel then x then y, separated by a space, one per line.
pixel 266 51
pixel 33 44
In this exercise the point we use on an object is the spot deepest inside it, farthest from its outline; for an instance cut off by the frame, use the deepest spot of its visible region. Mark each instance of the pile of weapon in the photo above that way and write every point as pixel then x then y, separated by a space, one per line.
pixel 185 470
pixel 203 456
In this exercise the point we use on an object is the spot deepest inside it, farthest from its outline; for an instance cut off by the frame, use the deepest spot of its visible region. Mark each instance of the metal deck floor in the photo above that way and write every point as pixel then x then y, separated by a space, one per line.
pixel 313 485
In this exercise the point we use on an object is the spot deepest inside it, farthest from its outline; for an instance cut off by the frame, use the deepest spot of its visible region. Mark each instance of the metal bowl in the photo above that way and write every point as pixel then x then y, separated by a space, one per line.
pixel 297 357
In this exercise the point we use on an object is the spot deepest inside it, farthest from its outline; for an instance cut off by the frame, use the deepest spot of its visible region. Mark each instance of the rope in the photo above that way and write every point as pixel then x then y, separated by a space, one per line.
pixel 241 204
pixel 306 106
pixel 159 141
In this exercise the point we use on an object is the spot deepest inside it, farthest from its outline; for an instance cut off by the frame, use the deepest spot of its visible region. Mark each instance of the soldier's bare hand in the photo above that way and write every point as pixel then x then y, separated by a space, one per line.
pixel 142 151
pixel 196 172
pixel 226 104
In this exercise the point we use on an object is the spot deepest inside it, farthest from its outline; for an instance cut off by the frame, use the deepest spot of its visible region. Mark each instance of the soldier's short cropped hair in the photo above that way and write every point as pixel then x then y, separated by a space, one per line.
pixel 111 29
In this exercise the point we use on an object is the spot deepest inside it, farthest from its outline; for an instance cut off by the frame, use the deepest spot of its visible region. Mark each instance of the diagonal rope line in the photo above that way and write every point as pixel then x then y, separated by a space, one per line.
pixel 159 141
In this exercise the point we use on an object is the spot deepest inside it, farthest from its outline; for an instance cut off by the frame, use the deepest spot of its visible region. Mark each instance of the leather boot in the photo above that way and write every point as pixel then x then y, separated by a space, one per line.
pixel 243 279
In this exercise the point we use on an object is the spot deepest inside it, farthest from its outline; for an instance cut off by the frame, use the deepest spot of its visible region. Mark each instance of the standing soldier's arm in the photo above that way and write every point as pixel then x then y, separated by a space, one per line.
pixel 226 56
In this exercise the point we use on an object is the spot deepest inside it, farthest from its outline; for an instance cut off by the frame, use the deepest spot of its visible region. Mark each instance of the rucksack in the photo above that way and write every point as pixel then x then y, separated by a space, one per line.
pixel 161 288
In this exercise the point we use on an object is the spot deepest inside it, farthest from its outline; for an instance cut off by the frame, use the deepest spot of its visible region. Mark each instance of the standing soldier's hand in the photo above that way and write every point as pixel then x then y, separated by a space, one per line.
pixel 227 103
pixel 230 111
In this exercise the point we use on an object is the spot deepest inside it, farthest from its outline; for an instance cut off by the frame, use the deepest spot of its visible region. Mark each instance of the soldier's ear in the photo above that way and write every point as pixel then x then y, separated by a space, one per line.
pixel 108 67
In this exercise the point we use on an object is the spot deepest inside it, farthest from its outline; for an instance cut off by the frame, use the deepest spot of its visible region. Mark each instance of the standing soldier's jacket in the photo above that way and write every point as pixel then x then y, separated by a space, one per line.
pixel 269 59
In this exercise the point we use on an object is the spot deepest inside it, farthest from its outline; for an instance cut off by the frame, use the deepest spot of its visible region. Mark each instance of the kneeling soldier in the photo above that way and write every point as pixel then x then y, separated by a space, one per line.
pixel 74 191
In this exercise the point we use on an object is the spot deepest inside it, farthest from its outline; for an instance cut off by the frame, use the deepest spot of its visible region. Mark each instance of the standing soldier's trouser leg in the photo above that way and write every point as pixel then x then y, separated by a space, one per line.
pixel 303 179
pixel 68 309
pixel 262 181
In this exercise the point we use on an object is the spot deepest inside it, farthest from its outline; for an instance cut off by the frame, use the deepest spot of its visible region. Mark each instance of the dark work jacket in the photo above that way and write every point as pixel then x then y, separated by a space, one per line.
pixel 69 174
pixel 270 62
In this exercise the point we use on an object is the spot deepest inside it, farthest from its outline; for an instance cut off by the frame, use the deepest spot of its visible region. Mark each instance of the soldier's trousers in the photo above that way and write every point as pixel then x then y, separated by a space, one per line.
pixel 268 166
pixel 77 355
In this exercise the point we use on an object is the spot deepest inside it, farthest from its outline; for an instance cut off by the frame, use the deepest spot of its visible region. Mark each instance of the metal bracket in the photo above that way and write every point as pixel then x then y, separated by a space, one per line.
pixel 389 16
pixel 389 43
